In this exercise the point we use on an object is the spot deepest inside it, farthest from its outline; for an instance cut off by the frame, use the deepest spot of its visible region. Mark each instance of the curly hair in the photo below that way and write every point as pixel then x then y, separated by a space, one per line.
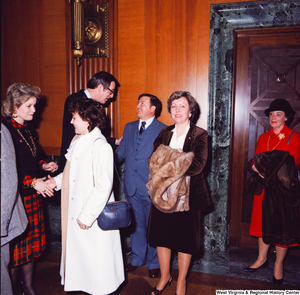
pixel 16 95
pixel 193 104
pixel 89 111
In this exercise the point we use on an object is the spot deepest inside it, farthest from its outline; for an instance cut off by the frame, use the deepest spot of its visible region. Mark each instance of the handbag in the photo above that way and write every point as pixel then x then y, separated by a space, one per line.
pixel 115 215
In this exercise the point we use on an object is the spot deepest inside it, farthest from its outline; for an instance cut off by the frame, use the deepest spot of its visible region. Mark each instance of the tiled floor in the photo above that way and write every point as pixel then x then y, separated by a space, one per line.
pixel 47 281
pixel 232 262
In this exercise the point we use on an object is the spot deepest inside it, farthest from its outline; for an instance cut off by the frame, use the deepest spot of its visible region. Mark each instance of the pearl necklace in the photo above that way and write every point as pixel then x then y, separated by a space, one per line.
pixel 280 136
pixel 33 151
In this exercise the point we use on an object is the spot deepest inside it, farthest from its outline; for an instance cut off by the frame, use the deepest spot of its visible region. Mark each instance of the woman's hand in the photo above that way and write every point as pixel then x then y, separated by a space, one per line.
pixel 81 225
pixel 51 182
pixel 43 188
pixel 255 170
pixel 52 167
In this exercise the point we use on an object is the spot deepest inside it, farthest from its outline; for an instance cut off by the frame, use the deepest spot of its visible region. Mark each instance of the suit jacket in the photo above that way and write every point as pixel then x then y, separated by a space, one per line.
pixel 13 217
pixel 135 150
pixel 196 142
pixel 69 132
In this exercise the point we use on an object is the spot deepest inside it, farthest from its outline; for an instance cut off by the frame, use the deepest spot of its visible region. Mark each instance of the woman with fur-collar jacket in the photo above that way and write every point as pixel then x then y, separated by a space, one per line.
pixel 281 138
pixel 178 230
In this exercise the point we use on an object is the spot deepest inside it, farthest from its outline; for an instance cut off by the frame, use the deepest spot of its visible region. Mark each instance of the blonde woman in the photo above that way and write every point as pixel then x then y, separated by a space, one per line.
pixel 18 108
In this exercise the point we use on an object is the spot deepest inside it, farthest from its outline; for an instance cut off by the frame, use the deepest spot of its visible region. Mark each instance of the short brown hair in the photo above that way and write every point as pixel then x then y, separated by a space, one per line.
pixel 89 111
pixel 193 104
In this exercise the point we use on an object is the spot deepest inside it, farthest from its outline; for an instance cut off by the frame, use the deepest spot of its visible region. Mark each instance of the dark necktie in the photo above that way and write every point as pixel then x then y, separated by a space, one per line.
pixel 142 129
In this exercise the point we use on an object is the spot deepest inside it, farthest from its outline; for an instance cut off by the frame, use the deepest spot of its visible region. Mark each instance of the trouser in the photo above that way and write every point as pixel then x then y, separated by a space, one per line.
pixel 142 252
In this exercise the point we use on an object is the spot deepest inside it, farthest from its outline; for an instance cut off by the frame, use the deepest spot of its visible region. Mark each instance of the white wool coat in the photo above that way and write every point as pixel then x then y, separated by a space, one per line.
pixel 91 259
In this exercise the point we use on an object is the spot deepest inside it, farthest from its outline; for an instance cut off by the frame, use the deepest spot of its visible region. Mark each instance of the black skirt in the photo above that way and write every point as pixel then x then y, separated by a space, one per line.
pixel 178 231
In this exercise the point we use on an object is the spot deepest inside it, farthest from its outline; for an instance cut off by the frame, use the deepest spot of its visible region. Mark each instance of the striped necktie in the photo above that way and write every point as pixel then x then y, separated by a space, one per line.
pixel 142 129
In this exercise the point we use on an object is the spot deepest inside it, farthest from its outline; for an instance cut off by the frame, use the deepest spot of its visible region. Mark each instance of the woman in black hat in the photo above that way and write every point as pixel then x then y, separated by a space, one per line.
pixel 279 138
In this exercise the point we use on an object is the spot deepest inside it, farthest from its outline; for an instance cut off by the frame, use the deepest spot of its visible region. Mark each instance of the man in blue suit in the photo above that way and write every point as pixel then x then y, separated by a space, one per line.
pixel 135 149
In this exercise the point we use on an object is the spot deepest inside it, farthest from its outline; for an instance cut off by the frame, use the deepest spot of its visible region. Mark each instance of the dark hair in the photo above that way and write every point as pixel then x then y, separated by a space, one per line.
pixel 90 111
pixel 103 78
pixel 193 104
pixel 154 101
pixel 283 105
pixel 16 95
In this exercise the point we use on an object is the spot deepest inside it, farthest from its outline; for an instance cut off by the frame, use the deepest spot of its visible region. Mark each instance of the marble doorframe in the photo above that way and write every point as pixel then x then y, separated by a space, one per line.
pixel 224 19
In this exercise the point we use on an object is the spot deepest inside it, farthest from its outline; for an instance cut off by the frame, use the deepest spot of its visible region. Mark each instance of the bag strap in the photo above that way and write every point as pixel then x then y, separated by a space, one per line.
pixel 290 137
pixel 115 167
pixel 121 185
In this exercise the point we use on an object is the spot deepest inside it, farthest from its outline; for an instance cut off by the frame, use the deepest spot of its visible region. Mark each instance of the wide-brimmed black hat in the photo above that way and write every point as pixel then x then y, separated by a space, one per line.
pixel 280 104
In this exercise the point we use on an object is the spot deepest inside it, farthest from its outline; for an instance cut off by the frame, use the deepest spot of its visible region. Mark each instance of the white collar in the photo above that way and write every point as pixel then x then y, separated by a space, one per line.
pixel 87 93
pixel 148 122
pixel 185 131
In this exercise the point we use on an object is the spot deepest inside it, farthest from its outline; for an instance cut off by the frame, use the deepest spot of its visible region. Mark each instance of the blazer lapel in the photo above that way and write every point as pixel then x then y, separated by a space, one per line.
pixel 168 135
pixel 188 140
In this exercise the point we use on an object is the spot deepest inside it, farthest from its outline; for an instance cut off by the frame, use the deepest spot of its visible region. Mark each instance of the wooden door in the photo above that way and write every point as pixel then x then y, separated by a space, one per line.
pixel 267 66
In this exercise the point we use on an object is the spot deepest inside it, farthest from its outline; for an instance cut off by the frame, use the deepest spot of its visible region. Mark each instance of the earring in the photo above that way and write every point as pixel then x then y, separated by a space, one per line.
pixel 14 114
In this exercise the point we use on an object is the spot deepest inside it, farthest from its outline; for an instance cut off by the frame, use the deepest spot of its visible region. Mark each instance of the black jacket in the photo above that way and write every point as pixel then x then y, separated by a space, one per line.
pixel 281 202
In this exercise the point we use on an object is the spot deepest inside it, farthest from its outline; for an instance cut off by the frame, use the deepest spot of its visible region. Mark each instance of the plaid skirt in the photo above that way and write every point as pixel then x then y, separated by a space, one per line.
pixel 32 242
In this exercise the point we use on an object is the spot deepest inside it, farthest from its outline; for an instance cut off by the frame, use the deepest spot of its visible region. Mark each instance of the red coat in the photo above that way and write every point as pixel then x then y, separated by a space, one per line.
pixel 267 142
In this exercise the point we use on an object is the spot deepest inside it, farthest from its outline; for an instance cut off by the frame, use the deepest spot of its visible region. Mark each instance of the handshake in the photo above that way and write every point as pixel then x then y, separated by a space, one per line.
pixel 48 187
pixel 45 185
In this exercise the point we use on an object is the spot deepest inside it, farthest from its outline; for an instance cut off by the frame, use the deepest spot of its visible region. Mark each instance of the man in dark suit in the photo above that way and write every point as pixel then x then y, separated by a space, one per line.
pixel 102 87
pixel 135 149
pixel 13 216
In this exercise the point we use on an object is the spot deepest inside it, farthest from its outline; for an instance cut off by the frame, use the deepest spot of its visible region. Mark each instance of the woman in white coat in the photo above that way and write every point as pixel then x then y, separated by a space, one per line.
pixel 91 258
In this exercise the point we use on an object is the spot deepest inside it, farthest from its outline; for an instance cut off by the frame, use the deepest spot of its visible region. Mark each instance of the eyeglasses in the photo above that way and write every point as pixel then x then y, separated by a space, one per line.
pixel 110 90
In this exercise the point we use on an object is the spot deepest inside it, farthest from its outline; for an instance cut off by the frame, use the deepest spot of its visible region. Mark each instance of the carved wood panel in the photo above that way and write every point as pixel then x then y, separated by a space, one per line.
pixel 274 73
